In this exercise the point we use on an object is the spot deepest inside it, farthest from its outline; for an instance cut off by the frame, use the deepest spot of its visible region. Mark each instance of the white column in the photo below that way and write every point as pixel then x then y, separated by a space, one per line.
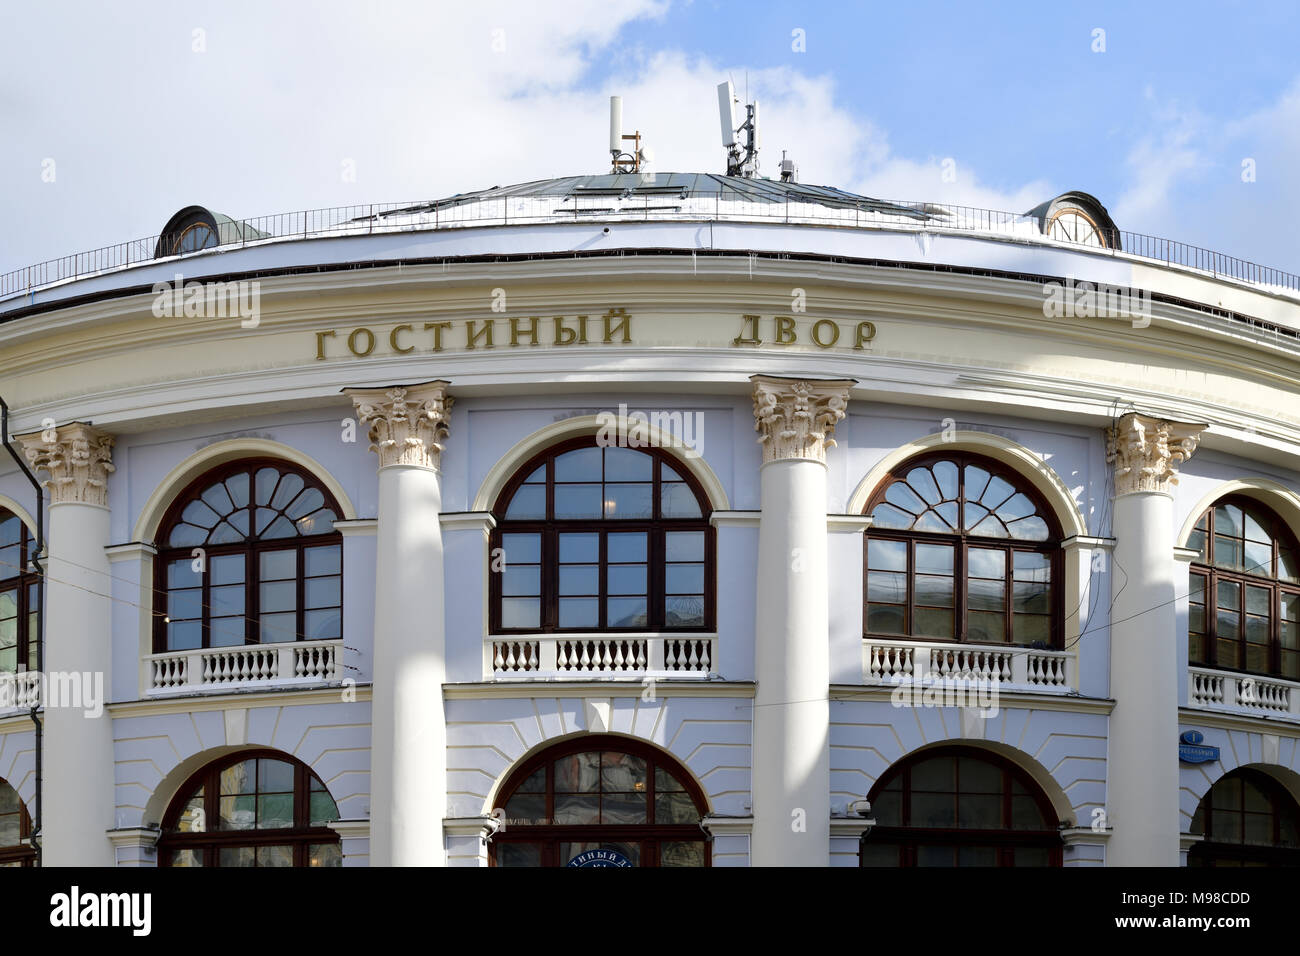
pixel 791 759
pixel 78 797
pixel 1142 770
pixel 408 762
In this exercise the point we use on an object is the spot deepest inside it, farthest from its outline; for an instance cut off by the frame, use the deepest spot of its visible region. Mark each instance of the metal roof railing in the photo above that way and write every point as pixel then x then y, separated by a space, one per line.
pixel 483 209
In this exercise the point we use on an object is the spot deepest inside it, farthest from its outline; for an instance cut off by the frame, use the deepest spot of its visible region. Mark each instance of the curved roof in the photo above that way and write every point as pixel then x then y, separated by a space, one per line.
pixel 669 186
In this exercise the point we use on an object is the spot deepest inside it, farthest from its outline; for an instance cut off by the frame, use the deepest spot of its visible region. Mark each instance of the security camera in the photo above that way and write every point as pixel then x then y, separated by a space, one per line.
pixel 860 807
pixel 605 230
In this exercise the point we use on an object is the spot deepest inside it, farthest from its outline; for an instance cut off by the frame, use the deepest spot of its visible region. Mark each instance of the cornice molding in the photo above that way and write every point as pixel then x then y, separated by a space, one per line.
pixel 1007 699
pixel 197 703
pixel 597 687
pixel 1281 725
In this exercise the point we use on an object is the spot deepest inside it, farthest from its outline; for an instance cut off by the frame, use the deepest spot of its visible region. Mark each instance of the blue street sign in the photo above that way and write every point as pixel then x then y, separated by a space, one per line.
pixel 1192 750
pixel 601 857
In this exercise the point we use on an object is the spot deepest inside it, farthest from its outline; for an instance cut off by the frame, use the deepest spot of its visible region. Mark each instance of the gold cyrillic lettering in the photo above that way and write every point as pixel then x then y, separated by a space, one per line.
pixel 624 324
pixel 472 336
pixel 785 334
pixel 320 342
pixel 531 331
pixel 835 332
pixel 565 336
pixel 392 339
pixel 748 323
pixel 370 342
pixel 437 333
pixel 866 331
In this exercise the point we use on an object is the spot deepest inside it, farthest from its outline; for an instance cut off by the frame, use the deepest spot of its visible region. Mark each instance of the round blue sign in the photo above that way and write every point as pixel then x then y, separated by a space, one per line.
pixel 1193 737
pixel 601 857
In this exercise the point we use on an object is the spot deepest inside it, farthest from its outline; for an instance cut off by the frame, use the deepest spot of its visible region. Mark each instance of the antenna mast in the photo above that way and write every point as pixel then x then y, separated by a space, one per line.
pixel 739 163
pixel 620 161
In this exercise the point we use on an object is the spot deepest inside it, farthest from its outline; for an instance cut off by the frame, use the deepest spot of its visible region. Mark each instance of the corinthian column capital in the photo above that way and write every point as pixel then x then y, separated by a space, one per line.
pixel 407 422
pixel 78 458
pixel 795 418
pixel 1146 452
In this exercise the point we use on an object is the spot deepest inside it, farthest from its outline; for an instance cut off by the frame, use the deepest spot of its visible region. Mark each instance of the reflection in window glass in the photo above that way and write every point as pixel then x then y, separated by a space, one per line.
pixel 919 804
pixel 1245 563
pixel 612 538
pixel 657 816
pixel 264 794
pixel 960 550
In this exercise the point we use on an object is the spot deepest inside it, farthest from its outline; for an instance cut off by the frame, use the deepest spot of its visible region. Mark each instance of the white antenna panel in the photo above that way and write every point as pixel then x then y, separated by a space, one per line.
pixel 616 124
pixel 727 113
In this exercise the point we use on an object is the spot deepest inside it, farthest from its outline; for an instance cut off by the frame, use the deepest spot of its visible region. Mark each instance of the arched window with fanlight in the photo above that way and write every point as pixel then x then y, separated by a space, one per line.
pixel 1244 606
pixel 601 800
pixel 15 829
pixel 960 806
pixel 248 554
pixel 1246 819
pixel 602 539
pixel 961 548
pixel 251 810
pixel 19 595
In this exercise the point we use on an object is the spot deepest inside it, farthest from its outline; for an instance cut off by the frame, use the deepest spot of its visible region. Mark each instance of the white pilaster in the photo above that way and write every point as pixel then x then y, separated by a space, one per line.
pixel 409 735
pixel 1142 770
pixel 77 768
pixel 791 779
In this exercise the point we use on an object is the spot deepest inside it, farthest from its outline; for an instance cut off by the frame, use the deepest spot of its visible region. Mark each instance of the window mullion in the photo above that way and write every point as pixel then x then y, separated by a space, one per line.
pixel 602 574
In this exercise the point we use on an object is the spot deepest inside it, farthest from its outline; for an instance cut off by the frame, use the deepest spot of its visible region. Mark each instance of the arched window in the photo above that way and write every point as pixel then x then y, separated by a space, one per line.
pixel 198 236
pixel 15 828
pixel 601 800
pixel 1247 819
pixel 957 806
pixel 600 539
pixel 962 549
pixel 1244 607
pixel 19 595
pixel 248 554
pixel 251 809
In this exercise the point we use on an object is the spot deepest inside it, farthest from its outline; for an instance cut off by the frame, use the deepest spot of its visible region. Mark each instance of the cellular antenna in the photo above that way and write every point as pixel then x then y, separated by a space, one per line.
pixel 742 154
pixel 620 161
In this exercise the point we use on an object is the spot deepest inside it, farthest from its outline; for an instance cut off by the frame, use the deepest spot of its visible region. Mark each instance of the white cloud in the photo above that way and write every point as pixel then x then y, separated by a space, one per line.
pixel 419 101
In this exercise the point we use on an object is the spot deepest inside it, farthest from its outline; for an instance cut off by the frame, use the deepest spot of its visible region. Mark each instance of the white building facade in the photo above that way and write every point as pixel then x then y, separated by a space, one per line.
pixel 686 521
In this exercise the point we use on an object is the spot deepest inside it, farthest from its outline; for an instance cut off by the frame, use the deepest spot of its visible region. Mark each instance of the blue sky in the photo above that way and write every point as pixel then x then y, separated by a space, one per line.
pixel 251 108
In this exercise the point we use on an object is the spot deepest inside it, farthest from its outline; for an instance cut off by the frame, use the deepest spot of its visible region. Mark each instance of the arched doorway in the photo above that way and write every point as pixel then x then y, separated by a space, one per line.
pixel 601 800
pixel 960 806
pixel 1247 819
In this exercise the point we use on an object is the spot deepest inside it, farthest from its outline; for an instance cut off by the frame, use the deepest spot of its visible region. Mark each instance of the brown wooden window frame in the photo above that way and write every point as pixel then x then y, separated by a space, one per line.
pixel 549 530
pixel 1209 851
pixel 1210 576
pixel 251 547
pixel 21 853
pixel 962 542
pixel 650 835
pixel 26 583
pixel 1005 840
pixel 301 836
